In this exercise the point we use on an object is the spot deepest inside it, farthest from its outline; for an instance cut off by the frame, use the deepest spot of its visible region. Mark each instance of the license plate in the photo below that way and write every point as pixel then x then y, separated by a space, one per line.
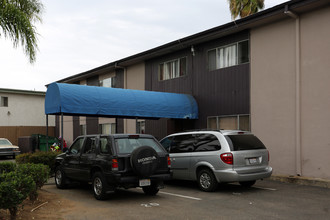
pixel 253 160
pixel 144 182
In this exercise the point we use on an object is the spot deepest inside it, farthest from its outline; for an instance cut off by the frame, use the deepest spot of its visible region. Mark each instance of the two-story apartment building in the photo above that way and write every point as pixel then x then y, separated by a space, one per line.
pixel 268 73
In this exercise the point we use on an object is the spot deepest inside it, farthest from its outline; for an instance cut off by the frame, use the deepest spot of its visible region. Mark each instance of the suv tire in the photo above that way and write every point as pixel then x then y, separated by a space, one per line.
pixel 99 186
pixel 206 180
pixel 247 183
pixel 144 161
pixel 150 190
pixel 60 178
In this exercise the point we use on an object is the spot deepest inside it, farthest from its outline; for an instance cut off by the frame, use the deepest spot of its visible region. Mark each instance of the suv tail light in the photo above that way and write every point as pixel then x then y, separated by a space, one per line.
pixel 227 158
pixel 114 164
pixel 168 161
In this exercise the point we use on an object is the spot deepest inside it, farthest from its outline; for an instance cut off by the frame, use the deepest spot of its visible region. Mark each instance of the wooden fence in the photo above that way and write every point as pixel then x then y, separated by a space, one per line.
pixel 12 133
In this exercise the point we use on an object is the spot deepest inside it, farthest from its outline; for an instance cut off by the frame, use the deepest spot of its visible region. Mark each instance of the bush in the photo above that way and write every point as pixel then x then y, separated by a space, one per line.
pixel 39 174
pixel 6 167
pixel 14 189
pixel 23 158
pixel 46 158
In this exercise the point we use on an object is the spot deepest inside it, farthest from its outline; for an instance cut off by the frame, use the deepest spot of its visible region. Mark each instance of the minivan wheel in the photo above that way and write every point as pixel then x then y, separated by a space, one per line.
pixel 247 183
pixel 60 178
pixel 206 180
pixel 99 186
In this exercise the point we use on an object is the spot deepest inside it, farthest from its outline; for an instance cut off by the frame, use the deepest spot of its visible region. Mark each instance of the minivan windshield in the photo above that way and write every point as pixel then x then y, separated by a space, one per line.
pixel 127 145
pixel 244 142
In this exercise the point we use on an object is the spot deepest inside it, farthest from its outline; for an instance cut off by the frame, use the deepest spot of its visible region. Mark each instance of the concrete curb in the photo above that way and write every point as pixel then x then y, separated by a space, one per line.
pixel 307 181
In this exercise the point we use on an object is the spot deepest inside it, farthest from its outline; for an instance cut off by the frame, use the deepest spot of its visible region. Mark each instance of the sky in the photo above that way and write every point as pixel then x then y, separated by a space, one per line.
pixel 79 35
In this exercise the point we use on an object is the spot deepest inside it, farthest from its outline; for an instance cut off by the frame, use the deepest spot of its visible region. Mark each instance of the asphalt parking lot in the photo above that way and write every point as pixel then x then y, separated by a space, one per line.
pixel 182 200
pixel 267 199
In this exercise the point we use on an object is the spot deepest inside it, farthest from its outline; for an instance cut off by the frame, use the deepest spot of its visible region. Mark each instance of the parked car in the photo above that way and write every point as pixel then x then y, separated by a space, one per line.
pixel 211 157
pixel 114 161
pixel 8 149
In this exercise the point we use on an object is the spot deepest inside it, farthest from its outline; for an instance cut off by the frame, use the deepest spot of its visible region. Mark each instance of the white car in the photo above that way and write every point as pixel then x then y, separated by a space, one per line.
pixel 8 149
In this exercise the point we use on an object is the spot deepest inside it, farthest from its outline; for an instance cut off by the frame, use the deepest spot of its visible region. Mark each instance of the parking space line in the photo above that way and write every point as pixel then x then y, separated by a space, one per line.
pixel 182 196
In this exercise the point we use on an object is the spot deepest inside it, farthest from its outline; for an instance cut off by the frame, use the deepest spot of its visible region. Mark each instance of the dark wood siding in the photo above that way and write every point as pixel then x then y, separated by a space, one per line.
pixel 220 92
pixel 119 84
pixel 76 126
pixel 92 123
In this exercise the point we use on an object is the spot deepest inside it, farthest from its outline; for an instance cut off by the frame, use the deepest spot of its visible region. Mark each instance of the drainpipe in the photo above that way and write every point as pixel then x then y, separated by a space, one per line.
pixel 298 92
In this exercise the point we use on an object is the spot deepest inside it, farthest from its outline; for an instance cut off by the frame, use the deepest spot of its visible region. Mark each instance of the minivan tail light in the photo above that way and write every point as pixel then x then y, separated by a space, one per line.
pixel 114 164
pixel 268 156
pixel 168 161
pixel 227 158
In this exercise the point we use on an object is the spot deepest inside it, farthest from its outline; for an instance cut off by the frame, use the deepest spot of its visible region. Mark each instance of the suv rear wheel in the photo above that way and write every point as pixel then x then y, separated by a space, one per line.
pixel 99 186
pixel 206 180
pixel 150 190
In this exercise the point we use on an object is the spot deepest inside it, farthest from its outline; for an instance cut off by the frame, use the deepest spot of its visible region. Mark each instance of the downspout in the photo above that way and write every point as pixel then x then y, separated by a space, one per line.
pixel 298 92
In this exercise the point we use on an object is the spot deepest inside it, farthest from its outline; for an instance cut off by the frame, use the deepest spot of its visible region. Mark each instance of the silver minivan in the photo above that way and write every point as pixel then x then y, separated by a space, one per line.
pixel 223 156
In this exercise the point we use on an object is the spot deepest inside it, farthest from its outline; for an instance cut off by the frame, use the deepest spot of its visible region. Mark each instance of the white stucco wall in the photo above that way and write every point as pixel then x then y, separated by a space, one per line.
pixel 24 110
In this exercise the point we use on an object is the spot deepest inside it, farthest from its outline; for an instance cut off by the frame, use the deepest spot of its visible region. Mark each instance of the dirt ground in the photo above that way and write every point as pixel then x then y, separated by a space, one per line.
pixel 47 206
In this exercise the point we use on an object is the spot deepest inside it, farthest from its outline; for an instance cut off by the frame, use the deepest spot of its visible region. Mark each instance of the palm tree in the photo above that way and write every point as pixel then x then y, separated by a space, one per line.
pixel 17 18
pixel 244 8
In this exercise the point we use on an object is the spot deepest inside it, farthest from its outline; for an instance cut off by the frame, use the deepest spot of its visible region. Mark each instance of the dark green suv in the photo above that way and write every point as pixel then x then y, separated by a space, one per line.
pixel 113 161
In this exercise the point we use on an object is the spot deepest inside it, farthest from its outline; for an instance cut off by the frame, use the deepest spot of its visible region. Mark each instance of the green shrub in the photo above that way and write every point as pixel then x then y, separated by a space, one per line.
pixel 6 167
pixel 39 174
pixel 23 158
pixel 14 189
pixel 46 158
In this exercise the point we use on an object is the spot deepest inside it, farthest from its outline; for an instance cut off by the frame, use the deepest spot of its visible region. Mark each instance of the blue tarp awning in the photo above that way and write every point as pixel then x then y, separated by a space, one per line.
pixel 71 99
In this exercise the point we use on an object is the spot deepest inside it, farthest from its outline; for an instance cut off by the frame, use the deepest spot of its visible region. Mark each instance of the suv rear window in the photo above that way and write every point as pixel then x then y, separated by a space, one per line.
pixel 244 142
pixel 127 145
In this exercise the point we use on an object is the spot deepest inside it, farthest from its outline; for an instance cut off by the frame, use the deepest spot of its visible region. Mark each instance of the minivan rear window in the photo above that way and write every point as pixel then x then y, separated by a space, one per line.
pixel 244 142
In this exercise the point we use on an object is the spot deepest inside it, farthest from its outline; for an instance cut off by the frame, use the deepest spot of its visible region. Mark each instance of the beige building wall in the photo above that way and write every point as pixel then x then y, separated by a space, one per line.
pixel 290 99
pixel 67 129
pixel 134 79
pixel 315 93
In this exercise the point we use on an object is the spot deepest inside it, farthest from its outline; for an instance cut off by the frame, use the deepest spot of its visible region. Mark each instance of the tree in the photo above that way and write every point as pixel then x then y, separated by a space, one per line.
pixel 244 8
pixel 17 18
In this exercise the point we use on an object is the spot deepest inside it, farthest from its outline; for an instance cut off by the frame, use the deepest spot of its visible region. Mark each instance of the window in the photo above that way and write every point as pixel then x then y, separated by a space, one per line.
pixel 244 142
pixel 182 144
pixel 109 128
pixel 207 142
pixel 4 101
pixel 76 146
pixel 140 127
pixel 90 145
pixel 173 69
pixel 230 55
pixel 127 145
pixel 232 122
pixel 108 82
pixel 105 145
pixel 191 143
